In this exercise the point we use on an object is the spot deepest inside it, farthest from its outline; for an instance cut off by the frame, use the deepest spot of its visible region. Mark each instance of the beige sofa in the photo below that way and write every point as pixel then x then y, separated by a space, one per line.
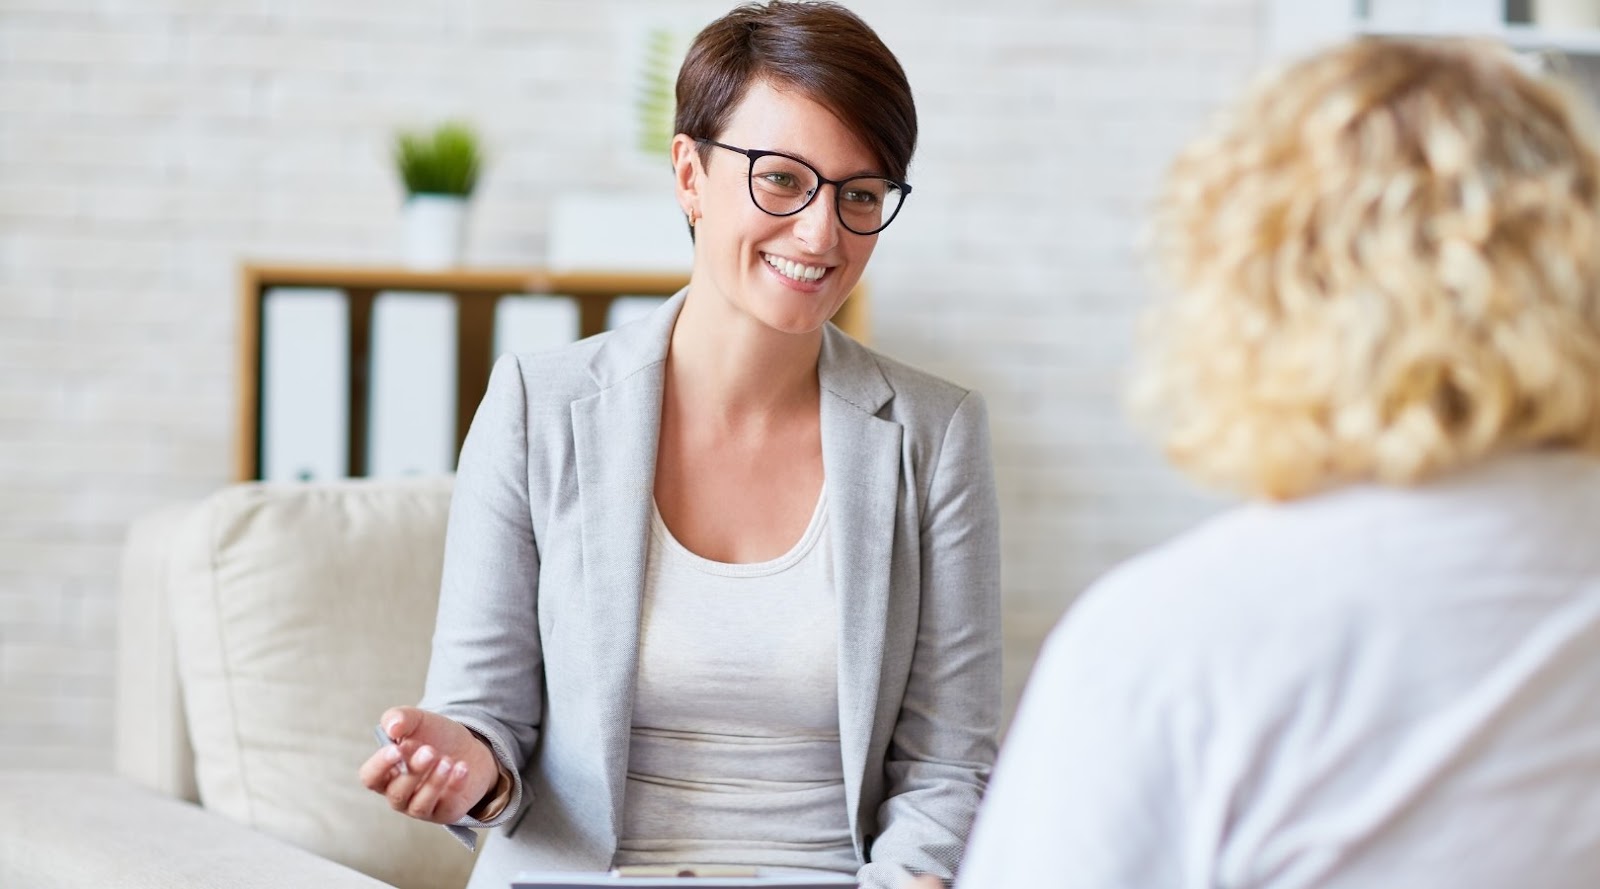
pixel 261 632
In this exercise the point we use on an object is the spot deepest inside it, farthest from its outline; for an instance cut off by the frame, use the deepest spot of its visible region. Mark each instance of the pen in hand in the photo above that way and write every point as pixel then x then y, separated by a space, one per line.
pixel 385 741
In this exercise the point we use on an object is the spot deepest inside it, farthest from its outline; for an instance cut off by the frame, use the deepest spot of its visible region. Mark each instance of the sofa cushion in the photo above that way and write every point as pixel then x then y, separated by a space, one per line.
pixel 300 612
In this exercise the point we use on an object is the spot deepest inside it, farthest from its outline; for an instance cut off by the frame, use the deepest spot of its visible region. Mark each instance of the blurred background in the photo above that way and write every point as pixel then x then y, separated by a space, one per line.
pixel 151 148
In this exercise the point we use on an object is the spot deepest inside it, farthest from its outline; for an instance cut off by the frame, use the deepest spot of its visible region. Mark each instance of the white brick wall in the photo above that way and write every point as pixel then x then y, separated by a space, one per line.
pixel 147 146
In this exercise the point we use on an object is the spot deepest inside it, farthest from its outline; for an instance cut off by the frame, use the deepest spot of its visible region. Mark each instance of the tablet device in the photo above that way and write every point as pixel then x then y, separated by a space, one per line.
pixel 685 877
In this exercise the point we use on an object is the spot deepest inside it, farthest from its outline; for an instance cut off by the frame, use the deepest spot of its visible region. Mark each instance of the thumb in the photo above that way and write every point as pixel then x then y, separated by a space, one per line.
pixel 400 722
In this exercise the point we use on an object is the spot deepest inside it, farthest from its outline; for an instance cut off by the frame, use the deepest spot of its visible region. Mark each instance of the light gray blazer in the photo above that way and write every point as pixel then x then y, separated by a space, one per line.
pixel 538 630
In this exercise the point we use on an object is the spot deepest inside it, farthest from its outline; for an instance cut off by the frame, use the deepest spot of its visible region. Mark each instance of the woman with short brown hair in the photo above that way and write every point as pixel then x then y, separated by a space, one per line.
pixel 721 587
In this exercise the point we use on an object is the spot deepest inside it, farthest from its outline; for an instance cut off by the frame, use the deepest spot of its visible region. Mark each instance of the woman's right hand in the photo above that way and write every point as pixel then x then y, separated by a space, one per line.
pixel 448 768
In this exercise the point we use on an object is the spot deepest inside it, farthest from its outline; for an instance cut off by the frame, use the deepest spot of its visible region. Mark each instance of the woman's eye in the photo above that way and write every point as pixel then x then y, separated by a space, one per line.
pixel 782 180
pixel 860 196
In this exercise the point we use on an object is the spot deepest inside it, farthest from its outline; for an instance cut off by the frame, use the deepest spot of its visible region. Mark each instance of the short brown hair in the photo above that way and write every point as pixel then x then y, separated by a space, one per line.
pixel 1386 265
pixel 821 49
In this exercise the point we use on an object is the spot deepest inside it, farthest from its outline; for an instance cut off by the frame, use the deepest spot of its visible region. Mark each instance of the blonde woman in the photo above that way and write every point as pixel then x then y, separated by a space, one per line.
pixel 1382 673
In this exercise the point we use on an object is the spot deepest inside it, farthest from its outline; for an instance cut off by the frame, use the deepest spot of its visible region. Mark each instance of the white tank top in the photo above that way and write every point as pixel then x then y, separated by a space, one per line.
pixel 735 754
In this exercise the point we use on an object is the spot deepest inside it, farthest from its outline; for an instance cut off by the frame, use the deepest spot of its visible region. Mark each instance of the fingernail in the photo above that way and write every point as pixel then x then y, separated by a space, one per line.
pixel 444 767
pixel 461 770
pixel 391 754
pixel 423 757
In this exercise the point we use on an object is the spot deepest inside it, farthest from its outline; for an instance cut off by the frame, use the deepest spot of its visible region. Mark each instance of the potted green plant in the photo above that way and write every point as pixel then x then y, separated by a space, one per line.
pixel 440 169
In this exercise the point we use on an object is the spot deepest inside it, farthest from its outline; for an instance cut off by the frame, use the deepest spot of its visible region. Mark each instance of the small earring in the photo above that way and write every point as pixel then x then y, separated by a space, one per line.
pixel 693 218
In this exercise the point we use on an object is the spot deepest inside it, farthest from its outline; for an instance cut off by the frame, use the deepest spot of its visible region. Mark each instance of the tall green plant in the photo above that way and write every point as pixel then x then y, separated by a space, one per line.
pixel 443 161
pixel 655 102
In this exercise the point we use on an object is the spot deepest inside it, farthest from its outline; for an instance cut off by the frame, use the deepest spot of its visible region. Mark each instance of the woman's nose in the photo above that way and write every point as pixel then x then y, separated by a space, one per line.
pixel 817 225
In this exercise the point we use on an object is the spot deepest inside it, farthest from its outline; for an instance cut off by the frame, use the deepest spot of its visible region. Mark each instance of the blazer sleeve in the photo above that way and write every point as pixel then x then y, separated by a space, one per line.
pixel 485 671
pixel 944 740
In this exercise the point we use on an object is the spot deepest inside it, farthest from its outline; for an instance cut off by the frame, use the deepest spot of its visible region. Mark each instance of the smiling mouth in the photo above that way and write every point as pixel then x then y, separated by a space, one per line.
pixel 795 271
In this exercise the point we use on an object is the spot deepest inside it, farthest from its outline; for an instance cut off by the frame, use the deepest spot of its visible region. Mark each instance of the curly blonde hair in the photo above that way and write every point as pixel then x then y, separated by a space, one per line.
pixel 1386 263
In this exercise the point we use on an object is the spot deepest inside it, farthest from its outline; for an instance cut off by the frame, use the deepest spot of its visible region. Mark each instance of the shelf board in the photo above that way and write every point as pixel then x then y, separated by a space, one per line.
pixel 1585 42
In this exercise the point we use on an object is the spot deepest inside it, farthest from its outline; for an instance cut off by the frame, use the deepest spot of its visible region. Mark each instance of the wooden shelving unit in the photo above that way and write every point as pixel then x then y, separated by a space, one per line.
pixel 476 293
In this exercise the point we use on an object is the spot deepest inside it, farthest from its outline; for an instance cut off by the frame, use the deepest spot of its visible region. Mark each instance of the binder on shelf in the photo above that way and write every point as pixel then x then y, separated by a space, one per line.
pixel 525 323
pixel 304 407
pixel 412 406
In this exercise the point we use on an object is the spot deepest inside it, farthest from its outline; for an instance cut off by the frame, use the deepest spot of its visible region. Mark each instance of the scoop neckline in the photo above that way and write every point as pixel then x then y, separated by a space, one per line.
pixel 808 540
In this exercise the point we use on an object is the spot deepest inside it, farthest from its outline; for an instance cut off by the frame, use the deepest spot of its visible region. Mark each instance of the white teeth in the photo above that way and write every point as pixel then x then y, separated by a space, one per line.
pixel 794 270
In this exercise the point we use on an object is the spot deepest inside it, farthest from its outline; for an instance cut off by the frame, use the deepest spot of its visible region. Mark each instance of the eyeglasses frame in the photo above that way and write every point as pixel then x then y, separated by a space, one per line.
pixel 755 154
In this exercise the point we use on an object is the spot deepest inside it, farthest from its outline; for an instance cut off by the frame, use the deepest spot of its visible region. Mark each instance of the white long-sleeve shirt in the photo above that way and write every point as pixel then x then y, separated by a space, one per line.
pixel 1374 687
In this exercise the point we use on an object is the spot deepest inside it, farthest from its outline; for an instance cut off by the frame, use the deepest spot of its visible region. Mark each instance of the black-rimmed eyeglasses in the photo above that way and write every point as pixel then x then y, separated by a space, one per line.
pixel 781 185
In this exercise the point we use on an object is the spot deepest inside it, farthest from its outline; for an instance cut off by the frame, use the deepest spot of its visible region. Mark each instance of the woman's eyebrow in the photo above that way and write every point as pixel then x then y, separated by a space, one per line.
pixel 818 167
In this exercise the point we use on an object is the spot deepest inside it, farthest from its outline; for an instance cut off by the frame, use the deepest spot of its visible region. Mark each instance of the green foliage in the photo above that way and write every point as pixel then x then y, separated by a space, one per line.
pixel 445 160
pixel 656 102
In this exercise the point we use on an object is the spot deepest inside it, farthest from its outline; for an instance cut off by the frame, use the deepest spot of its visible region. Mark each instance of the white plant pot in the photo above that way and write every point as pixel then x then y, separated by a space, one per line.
pixel 435 230
pixel 1566 14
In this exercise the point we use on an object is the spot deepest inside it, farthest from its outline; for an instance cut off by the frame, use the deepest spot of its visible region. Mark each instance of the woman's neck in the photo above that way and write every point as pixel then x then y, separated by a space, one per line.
pixel 725 361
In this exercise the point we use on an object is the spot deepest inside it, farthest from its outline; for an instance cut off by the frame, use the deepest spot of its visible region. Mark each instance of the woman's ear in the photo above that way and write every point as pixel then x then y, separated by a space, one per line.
pixel 687 173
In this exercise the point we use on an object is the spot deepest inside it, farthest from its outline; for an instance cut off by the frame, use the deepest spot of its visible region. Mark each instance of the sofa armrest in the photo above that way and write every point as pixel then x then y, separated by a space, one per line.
pixel 152 741
pixel 76 830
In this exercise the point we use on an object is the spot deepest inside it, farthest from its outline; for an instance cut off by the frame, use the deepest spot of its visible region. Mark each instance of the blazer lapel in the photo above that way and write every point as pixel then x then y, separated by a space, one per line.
pixel 861 459
pixel 615 434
